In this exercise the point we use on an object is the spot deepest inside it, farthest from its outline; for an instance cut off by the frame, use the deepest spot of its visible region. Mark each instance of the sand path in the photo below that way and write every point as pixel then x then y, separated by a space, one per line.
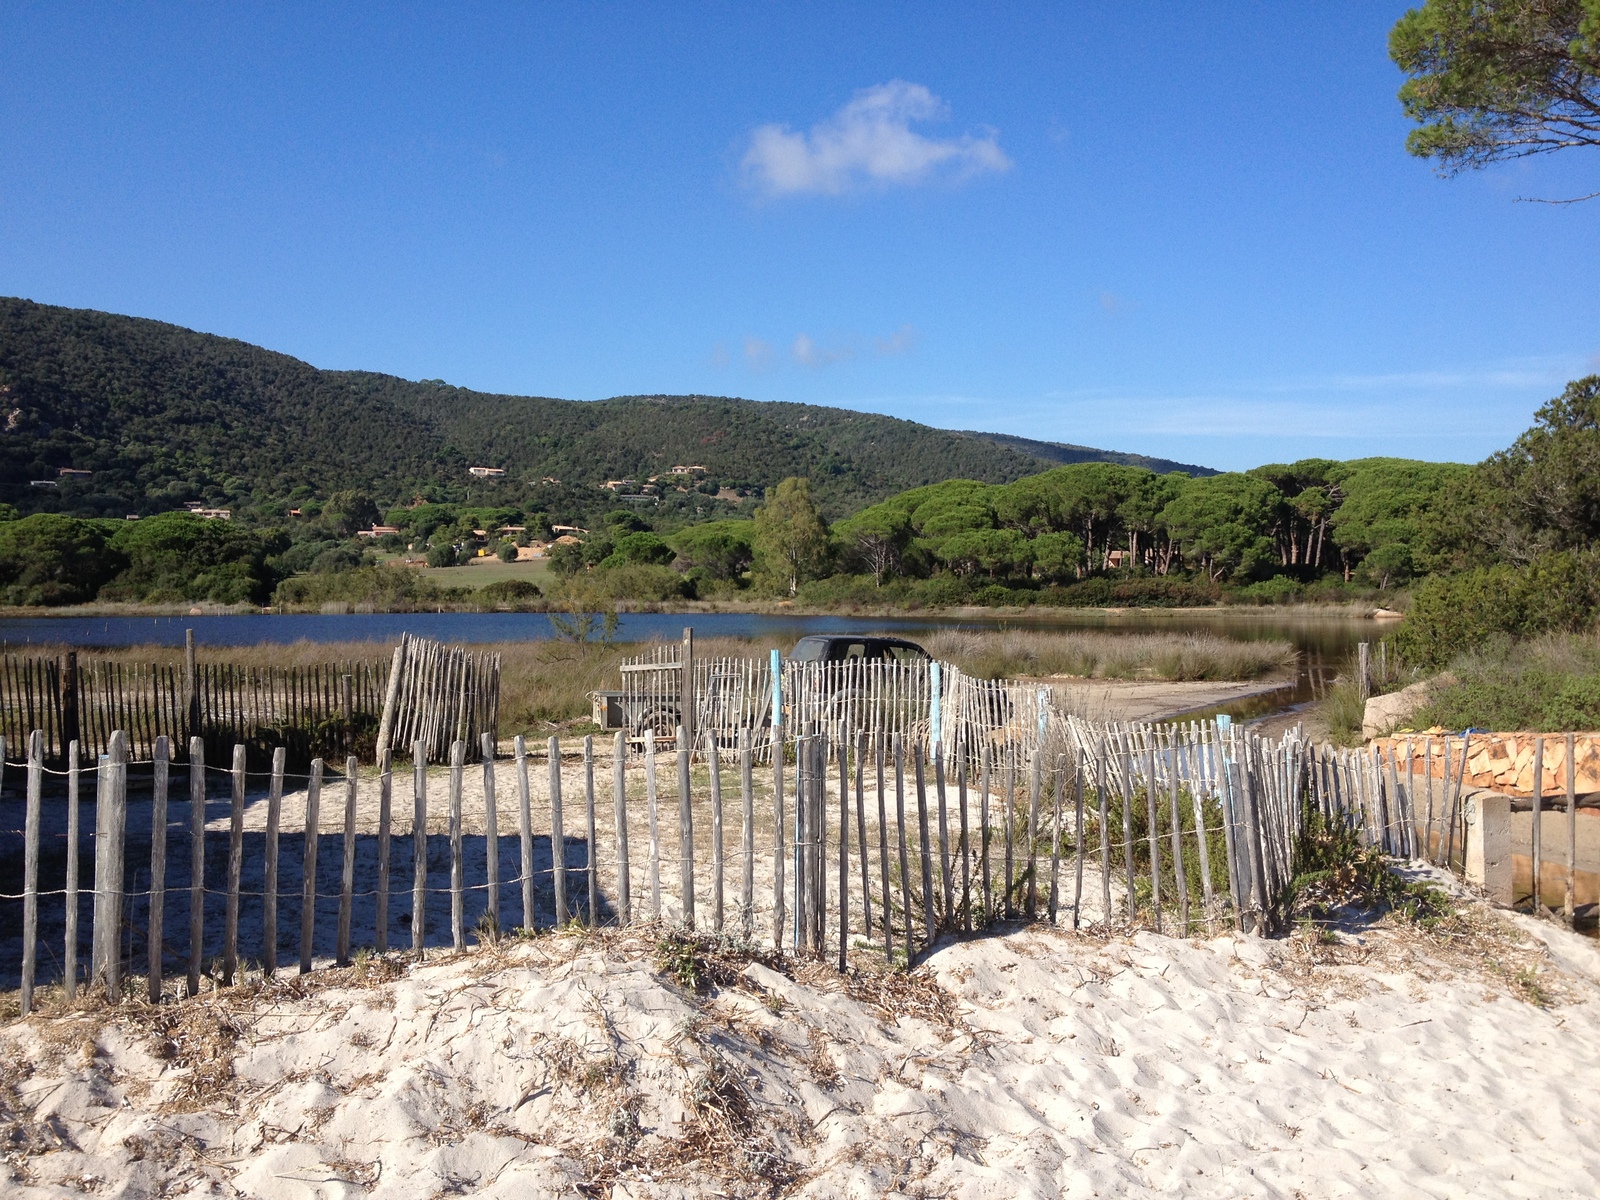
pixel 1033 1064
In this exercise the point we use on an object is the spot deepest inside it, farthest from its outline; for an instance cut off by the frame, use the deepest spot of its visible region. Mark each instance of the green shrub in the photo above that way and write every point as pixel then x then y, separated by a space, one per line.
pixel 48 559
pixel 1549 684
pixel 1456 614
pixel 1280 589
pixel 1142 591
pixel 638 549
pixel 176 556
pixel 507 552
pixel 509 593
pixel 639 581
pixel 384 588
pixel 997 595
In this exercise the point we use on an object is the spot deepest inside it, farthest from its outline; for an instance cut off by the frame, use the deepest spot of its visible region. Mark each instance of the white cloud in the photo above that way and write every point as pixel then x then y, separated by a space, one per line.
pixel 868 143
pixel 899 342
pixel 758 354
pixel 809 354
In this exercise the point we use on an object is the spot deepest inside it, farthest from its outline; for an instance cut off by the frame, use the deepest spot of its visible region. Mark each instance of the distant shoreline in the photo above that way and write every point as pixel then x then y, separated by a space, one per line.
pixel 1041 614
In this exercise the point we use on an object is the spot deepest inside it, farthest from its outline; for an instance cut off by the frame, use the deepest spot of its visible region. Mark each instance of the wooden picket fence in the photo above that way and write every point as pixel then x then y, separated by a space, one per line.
pixel 865 841
pixel 934 703
pixel 441 694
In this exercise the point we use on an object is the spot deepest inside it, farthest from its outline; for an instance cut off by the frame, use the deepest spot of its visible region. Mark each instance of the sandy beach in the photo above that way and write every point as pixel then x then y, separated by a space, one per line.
pixel 1386 1061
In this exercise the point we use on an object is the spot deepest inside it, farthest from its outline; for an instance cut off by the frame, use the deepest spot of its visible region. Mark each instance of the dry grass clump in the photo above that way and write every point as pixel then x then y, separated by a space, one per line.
pixel 1094 654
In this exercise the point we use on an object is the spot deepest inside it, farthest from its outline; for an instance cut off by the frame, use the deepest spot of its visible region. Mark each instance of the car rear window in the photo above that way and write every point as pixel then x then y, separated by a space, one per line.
pixel 809 649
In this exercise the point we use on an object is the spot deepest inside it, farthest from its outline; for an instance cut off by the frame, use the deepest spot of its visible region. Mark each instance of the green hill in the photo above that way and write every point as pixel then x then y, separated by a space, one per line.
pixel 1063 453
pixel 163 415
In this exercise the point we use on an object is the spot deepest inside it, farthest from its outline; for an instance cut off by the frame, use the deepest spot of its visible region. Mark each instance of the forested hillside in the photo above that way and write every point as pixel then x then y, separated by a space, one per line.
pixel 1066 452
pixel 162 416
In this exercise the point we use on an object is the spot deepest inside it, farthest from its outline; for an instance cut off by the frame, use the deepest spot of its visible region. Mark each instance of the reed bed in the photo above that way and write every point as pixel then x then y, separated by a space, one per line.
pixel 1093 654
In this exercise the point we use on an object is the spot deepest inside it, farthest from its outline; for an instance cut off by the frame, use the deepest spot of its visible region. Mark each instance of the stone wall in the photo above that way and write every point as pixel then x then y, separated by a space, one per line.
pixel 1503 762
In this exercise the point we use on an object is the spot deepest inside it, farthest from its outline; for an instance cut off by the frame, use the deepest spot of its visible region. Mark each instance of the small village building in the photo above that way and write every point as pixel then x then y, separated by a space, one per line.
pixel 486 472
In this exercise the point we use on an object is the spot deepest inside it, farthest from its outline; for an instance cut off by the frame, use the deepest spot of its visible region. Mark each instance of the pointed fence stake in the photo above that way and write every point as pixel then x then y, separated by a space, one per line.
pixel 269 884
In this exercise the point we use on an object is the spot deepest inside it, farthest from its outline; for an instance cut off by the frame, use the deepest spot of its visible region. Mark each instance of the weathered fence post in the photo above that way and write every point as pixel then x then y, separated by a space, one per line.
pixel 30 866
pixel 799 933
pixel 861 836
pixel 651 801
pixel 74 849
pixel 929 914
pixel 878 748
pixel 1057 782
pixel 519 753
pixel 519 759
pixel 716 836
pixel 1035 782
pixel 1077 837
pixel 1180 878
pixel 397 664
pixel 558 836
pixel 983 835
pixel 269 884
pixel 686 698
pixel 1153 834
pixel 1008 903
pixel 458 899
pixel 308 881
pixel 111 827
pixel 380 933
pixel 160 755
pixel 747 832
pixel 619 800
pixel 1364 671
pixel 197 847
pixel 230 924
pixel 1572 826
pixel 419 846
pixel 491 830
pixel 593 871
pixel 777 802
pixel 1102 787
pixel 685 815
pixel 844 851
pixel 70 718
pixel 900 829
pixel 945 886
pixel 191 682
pixel 966 847
pixel 347 872
pixel 1537 831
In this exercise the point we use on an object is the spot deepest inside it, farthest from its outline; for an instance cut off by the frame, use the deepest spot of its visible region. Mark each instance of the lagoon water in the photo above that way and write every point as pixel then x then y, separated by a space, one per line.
pixel 1324 634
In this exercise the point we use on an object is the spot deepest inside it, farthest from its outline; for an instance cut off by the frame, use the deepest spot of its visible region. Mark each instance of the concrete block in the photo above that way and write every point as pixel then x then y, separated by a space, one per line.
pixel 1488 854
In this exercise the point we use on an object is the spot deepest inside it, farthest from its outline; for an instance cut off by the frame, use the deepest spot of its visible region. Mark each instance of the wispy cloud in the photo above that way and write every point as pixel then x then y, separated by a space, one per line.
pixel 900 341
pixel 808 353
pixel 868 143
pixel 758 355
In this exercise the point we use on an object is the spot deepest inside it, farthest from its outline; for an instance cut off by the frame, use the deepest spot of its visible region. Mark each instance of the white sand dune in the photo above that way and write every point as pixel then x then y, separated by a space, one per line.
pixel 1034 1063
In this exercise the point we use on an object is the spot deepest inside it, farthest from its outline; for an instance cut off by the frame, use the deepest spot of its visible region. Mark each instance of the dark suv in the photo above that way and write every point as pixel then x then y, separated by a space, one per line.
pixel 842 647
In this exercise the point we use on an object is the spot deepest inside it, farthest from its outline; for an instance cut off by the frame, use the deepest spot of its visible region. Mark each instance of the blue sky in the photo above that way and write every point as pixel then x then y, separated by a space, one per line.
pixel 1189 231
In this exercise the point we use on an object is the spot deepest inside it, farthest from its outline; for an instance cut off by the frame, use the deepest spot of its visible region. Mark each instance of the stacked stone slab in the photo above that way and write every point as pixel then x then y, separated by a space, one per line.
pixel 1503 762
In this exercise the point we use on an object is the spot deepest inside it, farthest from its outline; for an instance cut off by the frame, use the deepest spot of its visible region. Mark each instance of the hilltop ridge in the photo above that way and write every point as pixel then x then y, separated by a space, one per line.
pixel 162 415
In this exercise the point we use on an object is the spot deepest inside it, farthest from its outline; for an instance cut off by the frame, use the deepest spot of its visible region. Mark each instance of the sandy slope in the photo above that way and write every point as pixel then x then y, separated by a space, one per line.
pixel 1037 1063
